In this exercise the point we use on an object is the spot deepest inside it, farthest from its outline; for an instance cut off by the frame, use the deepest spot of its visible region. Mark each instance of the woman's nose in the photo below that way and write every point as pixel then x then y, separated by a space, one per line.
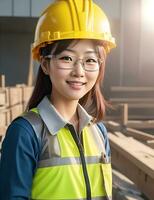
pixel 78 69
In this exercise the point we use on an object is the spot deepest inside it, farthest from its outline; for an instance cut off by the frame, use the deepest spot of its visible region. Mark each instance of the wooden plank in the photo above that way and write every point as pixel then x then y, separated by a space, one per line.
pixel 141 105
pixel 134 124
pixel 4 97
pixel 2 130
pixel 27 91
pixel 132 100
pixel 2 80
pixel 15 111
pixel 124 188
pixel 131 89
pixel 124 114
pixel 134 105
pixel 139 135
pixel 4 117
pixel 112 126
pixel 135 151
pixel 15 95
pixel 138 124
pixel 136 161
pixel 132 117
pixel 150 143
pixel 119 134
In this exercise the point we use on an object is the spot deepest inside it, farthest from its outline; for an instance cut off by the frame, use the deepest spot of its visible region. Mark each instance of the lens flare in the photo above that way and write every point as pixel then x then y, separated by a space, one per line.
pixel 148 11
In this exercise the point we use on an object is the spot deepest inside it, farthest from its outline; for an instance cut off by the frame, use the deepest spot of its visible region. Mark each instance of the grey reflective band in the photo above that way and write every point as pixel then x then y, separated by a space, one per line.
pixel 56 161
pixel 101 198
pixel 93 198
pixel 36 122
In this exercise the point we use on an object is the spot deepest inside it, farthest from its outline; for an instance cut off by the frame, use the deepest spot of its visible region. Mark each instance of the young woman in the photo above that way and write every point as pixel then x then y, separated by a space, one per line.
pixel 59 148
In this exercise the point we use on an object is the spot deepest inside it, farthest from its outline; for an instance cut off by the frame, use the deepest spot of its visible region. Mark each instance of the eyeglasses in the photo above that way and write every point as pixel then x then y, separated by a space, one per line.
pixel 64 61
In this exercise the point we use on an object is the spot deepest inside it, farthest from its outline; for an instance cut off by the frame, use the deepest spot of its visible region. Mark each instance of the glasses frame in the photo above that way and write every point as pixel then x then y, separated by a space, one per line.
pixel 100 61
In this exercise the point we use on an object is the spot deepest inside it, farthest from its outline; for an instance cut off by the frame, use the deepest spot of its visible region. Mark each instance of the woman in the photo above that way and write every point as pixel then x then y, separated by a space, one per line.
pixel 59 149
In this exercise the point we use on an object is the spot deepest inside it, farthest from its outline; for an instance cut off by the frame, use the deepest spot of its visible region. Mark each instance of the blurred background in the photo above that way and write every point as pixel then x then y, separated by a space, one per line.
pixel 128 84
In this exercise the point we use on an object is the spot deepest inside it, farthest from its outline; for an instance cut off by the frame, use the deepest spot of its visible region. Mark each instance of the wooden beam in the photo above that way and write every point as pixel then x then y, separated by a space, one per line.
pixel 131 117
pixel 112 126
pixel 134 124
pixel 124 114
pixel 2 130
pixel 121 111
pixel 140 105
pixel 2 80
pixel 132 100
pixel 150 143
pixel 15 95
pixel 131 89
pixel 135 160
pixel 139 124
pixel 139 135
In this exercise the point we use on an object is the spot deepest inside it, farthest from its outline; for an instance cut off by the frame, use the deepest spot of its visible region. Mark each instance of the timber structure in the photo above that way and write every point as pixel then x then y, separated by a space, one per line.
pixel 130 125
pixel 13 101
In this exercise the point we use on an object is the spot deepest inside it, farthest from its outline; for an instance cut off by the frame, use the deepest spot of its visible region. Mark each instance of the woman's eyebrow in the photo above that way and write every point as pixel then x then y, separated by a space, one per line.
pixel 86 52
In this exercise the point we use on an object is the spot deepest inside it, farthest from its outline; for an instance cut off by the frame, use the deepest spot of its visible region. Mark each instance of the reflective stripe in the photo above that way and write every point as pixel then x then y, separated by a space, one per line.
pixel 36 122
pixel 102 198
pixel 58 161
pixel 94 198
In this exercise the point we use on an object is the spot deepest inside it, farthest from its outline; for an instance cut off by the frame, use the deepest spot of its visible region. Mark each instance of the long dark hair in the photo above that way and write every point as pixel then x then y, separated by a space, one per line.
pixel 93 101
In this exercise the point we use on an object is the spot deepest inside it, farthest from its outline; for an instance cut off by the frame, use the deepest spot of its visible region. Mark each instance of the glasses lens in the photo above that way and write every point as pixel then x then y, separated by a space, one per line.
pixel 65 61
pixel 90 63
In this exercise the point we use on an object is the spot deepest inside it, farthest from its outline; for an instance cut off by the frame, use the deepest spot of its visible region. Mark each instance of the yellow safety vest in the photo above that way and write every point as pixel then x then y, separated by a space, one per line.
pixel 69 169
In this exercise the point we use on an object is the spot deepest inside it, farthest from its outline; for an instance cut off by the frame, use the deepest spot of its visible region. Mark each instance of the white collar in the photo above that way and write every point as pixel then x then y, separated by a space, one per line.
pixel 54 121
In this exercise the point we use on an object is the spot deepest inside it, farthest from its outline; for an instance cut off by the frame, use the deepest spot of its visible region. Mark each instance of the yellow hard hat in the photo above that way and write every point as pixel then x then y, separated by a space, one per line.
pixel 72 19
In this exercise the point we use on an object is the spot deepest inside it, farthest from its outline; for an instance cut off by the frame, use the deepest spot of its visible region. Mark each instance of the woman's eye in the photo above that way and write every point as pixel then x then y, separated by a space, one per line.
pixel 66 58
pixel 91 60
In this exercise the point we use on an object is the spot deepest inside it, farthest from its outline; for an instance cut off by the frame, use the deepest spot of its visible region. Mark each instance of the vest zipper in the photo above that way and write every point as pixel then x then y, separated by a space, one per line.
pixel 83 161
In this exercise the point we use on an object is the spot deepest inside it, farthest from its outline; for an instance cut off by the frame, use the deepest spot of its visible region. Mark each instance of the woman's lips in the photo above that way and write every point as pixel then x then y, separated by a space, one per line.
pixel 75 84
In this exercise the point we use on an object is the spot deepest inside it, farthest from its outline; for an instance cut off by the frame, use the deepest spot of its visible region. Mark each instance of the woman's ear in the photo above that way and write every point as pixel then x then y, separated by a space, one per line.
pixel 45 66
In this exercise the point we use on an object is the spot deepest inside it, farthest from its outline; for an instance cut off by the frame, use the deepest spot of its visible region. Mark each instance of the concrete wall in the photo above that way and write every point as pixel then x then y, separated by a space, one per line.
pixel 16 35
pixel 25 8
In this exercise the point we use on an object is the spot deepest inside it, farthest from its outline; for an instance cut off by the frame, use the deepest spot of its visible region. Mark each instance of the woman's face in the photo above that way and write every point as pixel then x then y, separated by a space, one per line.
pixel 69 79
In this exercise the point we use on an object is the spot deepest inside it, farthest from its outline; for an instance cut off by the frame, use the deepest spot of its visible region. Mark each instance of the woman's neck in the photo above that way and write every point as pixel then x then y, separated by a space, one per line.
pixel 68 110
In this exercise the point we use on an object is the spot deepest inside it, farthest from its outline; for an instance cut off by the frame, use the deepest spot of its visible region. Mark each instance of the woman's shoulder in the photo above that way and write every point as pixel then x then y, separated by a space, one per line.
pixel 24 122
pixel 20 123
pixel 19 134
pixel 20 129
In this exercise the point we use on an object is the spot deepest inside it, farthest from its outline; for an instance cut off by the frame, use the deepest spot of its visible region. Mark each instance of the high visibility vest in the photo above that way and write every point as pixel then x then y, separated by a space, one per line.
pixel 69 167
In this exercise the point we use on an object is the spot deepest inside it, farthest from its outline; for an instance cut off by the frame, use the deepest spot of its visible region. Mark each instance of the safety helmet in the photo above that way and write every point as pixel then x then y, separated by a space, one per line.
pixel 72 19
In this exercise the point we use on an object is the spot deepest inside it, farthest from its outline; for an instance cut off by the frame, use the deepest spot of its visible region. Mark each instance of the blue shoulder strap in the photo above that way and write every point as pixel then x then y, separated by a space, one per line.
pixel 104 133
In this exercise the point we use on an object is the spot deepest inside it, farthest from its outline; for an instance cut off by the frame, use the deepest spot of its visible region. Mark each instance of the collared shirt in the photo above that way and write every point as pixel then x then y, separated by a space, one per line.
pixel 21 148
pixel 54 121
